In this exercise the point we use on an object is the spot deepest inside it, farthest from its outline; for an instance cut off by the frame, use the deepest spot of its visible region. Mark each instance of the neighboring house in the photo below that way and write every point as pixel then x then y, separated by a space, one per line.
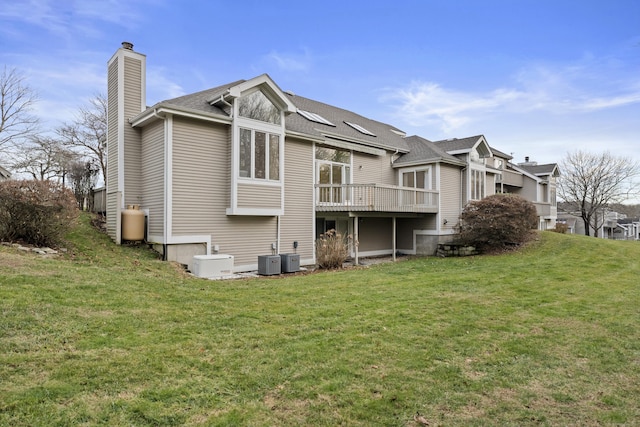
pixel 4 174
pixel 571 221
pixel 629 229
pixel 247 169
pixel 536 183
pixel 611 225
pixel 618 227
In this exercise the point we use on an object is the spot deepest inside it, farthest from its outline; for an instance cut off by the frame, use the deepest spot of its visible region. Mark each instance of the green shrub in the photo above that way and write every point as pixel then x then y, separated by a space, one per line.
pixel 332 250
pixel 497 221
pixel 35 212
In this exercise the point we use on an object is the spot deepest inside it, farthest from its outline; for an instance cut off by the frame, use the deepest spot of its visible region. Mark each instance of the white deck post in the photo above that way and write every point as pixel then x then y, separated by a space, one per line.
pixel 355 236
pixel 394 238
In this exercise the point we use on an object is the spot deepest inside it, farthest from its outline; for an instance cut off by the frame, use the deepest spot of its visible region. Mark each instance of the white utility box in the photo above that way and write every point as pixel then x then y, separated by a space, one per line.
pixel 212 266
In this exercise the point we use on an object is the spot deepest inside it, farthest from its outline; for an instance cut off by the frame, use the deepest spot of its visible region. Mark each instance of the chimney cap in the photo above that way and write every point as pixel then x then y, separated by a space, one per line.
pixel 127 45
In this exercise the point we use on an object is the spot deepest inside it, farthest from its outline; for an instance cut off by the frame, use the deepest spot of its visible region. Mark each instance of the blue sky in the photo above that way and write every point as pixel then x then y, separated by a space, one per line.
pixel 537 78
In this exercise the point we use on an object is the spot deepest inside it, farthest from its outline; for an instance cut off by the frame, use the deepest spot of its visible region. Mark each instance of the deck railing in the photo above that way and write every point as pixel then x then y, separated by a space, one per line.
pixel 374 198
pixel 543 209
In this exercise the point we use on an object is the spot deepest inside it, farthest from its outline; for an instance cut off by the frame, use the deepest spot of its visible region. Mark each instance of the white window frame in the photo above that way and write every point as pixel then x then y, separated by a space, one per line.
pixel 428 176
pixel 473 180
pixel 267 155
pixel 240 122
pixel 346 170
pixel 253 125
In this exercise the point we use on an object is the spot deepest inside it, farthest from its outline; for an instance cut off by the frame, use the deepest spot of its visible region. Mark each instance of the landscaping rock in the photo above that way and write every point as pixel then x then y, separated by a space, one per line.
pixel 39 251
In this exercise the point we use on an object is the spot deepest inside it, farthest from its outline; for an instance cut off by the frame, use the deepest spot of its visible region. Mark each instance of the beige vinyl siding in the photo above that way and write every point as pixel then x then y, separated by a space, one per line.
pixel 370 169
pixel 246 237
pixel 406 226
pixel 450 198
pixel 375 234
pixel 298 219
pixel 112 152
pixel 529 190
pixel 259 196
pixel 132 107
pixel 153 169
pixel 201 183
pixel 200 176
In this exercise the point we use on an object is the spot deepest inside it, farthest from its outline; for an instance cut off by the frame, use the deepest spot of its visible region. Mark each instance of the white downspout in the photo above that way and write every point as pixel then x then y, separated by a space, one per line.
pixel 278 234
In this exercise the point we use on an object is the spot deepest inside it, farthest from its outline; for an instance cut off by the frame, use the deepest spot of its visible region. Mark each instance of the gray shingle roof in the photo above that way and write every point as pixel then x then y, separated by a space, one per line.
pixel 424 151
pixel 456 144
pixel 384 136
pixel 200 100
pixel 499 153
pixel 538 170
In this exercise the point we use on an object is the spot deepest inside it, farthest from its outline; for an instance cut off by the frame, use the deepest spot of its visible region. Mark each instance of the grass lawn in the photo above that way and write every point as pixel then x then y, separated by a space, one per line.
pixel 109 335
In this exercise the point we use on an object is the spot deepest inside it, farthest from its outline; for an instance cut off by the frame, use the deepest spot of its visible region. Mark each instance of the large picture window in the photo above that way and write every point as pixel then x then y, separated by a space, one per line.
pixel 259 155
pixel 260 134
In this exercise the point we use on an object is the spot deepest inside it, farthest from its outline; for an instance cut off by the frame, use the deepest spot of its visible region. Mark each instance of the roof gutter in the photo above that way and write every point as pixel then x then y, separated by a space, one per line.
pixel 151 113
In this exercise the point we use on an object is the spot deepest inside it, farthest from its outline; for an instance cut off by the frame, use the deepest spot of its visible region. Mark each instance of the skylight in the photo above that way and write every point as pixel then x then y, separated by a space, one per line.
pixel 360 129
pixel 315 117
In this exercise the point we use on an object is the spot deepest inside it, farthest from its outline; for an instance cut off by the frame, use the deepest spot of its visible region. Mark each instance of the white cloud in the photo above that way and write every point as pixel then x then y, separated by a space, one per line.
pixel 161 87
pixel 290 61
pixel 77 18
pixel 43 13
pixel 576 89
pixel 430 103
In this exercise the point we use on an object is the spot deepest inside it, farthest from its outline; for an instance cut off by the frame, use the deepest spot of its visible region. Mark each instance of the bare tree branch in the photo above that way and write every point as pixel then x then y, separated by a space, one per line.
pixel 88 132
pixel 591 182
pixel 16 102
pixel 44 158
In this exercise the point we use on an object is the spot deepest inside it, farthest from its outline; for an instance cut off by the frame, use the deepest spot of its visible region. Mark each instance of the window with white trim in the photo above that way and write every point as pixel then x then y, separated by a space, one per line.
pixel 259 155
pixel 257 106
pixel 260 136
pixel 477 184
pixel 419 180
pixel 333 172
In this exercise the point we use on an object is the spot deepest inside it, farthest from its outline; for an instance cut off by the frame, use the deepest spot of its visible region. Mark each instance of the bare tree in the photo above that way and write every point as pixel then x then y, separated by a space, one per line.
pixel 44 158
pixel 591 182
pixel 82 178
pixel 88 132
pixel 16 102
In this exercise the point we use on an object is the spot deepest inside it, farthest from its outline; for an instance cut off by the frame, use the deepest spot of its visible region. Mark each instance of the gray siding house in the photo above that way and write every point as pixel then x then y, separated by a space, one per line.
pixel 247 169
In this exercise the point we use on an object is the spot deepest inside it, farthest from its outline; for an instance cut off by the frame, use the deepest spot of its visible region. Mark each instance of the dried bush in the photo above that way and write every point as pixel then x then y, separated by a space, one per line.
pixel 560 228
pixel 332 250
pixel 497 221
pixel 35 212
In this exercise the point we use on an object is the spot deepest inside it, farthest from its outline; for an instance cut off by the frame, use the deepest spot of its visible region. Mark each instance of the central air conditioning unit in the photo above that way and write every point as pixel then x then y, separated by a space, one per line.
pixel 290 263
pixel 268 265
pixel 212 266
